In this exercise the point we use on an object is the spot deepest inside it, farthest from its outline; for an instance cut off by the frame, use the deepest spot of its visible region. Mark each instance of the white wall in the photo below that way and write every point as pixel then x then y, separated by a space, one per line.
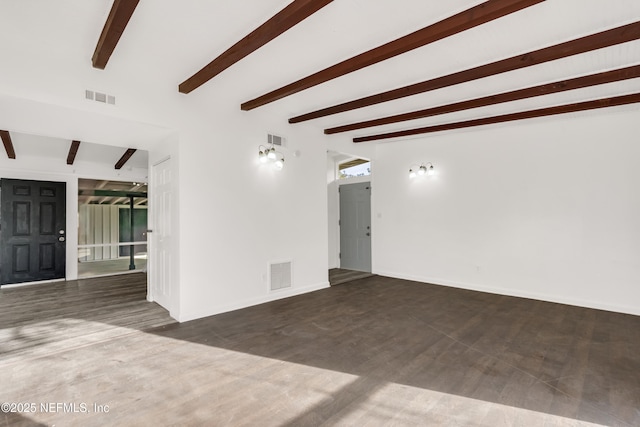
pixel 547 209
pixel 237 215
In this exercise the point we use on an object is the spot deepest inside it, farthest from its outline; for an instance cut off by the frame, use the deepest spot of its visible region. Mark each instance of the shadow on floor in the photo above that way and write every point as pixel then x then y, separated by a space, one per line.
pixel 433 350
pixel 513 352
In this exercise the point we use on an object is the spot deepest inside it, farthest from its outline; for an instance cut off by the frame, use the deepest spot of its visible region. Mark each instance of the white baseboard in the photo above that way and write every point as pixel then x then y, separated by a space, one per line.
pixel 274 296
pixel 37 282
pixel 516 293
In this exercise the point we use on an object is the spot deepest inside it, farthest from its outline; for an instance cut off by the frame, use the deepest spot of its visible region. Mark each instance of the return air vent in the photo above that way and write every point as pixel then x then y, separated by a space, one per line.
pixel 279 275
pixel 100 97
pixel 275 140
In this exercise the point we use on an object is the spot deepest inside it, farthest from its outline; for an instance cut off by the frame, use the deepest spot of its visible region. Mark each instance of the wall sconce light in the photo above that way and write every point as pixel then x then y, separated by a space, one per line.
pixel 423 169
pixel 268 154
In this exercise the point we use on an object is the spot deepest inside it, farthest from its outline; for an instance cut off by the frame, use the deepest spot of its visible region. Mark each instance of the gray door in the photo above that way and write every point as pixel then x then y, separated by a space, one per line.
pixel 32 230
pixel 355 226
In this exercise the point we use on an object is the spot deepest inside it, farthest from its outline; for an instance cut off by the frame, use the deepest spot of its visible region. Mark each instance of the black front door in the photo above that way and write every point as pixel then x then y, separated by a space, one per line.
pixel 32 230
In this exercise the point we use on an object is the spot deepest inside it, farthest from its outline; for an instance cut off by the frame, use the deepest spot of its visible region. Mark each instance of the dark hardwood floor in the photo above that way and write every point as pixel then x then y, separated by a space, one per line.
pixel 338 276
pixel 375 351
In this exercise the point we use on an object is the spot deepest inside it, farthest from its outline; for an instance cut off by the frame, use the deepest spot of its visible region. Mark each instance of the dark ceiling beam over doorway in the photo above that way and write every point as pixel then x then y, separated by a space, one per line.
pixel 542 112
pixel 600 40
pixel 112 193
pixel 288 17
pixel 117 21
pixel 73 150
pixel 125 158
pixel 477 15
pixel 8 144
pixel 131 193
pixel 546 89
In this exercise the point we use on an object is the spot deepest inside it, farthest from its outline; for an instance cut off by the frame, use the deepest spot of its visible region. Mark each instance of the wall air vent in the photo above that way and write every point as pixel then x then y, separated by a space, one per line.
pixel 275 140
pixel 279 275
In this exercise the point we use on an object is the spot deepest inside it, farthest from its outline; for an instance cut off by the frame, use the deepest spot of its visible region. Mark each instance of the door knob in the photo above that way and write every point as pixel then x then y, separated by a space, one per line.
pixel 61 239
pixel 368 234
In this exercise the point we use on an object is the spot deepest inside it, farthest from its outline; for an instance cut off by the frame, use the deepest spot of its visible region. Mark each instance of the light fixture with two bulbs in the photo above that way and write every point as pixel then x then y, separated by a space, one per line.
pixel 424 169
pixel 268 154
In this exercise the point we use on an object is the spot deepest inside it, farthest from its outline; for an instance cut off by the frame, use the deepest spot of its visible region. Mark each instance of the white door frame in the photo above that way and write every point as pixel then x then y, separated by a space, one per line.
pixel 161 250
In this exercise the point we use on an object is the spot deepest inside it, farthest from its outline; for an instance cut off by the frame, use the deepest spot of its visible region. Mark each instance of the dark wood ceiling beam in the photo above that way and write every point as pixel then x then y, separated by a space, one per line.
pixel 477 15
pixel 117 21
pixel 112 193
pixel 600 40
pixel 546 89
pixel 542 112
pixel 73 150
pixel 284 20
pixel 8 144
pixel 125 158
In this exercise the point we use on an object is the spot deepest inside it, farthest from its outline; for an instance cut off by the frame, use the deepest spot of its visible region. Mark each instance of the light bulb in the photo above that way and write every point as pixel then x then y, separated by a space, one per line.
pixel 279 164
pixel 412 174
pixel 422 170
pixel 262 156
pixel 271 153
pixel 431 171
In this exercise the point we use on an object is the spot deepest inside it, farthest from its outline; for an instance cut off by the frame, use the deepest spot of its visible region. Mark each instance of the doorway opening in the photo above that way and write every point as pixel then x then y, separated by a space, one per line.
pixel 355 226
pixel 354 168
pixel 112 227
pixel 349 216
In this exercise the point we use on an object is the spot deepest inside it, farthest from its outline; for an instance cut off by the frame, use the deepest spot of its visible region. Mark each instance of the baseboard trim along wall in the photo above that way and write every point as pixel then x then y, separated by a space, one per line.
pixel 280 294
pixel 514 293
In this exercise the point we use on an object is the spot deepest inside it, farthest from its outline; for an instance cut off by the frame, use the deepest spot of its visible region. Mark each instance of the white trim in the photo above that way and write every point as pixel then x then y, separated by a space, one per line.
pixel 35 282
pixel 354 180
pixel 513 293
pixel 97 245
pixel 115 273
pixel 288 292
pixel 162 159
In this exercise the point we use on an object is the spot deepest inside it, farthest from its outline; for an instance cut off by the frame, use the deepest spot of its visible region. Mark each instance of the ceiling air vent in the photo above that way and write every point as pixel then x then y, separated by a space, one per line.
pixel 279 275
pixel 275 140
pixel 100 97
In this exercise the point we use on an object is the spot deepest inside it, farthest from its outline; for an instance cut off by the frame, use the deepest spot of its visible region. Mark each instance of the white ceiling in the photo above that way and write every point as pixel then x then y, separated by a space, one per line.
pixel 57 149
pixel 167 41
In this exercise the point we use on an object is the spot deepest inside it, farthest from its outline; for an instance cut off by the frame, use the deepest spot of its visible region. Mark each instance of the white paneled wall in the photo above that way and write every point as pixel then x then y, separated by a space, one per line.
pixel 98 224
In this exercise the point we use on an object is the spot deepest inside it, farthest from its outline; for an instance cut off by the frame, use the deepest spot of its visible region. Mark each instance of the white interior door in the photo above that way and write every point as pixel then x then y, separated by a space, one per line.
pixel 161 245
pixel 355 226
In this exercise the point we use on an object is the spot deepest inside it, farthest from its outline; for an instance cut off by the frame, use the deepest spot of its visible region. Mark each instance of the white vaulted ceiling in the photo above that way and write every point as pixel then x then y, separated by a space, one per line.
pixel 167 41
